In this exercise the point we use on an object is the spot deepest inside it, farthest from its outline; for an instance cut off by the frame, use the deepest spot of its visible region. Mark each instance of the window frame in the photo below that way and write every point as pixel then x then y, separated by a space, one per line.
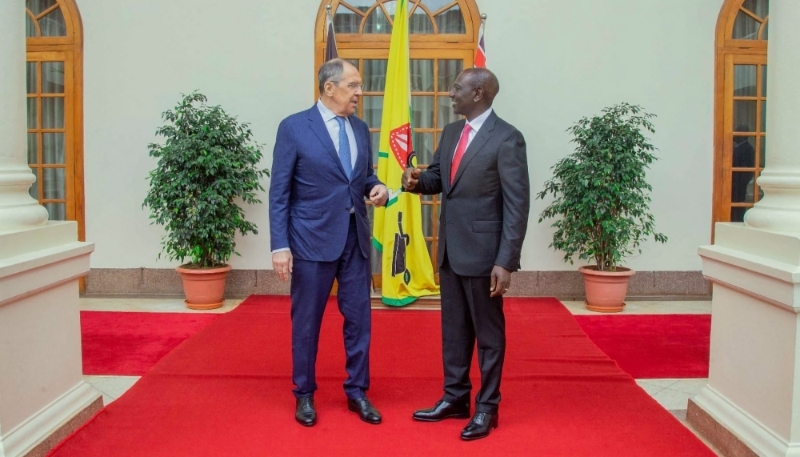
pixel 730 52
pixel 68 49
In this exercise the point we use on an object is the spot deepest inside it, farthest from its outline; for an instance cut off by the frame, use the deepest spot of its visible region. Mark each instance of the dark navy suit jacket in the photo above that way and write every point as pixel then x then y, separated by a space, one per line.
pixel 310 196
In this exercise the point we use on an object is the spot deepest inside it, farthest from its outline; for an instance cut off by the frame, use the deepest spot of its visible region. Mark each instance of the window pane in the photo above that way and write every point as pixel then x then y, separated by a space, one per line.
pixel 764 116
pixel 420 22
pixel 53 149
pixel 32 113
pixel 53 24
pixel 737 214
pixel 763 159
pixel 57 211
pixel 53 112
pixel 423 146
pixel 427 220
pixel 742 183
pixel 446 114
pixel 422 111
pixel 421 75
pixel 759 7
pixel 30 72
pixel 54 183
pixel 52 77
pixel 30 26
pixel 448 71
pixel 436 5
pixel 377 23
pixel 38 6
pixel 390 6
pixel 766 31
pixel 376 144
pixel 33 148
pixel 744 80
pixel 745 27
pixel 744 116
pixel 373 109
pixel 361 5
pixel 374 75
pixel 346 21
pixel 353 61
pixel 451 21
pixel 744 152
pixel 763 80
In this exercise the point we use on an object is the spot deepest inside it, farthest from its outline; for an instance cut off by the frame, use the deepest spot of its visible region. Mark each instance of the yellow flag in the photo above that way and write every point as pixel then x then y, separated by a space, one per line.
pixel 397 234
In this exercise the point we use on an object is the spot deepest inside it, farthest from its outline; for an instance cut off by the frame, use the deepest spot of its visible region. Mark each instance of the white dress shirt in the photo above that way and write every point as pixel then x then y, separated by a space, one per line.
pixel 475 125
pixel 333 130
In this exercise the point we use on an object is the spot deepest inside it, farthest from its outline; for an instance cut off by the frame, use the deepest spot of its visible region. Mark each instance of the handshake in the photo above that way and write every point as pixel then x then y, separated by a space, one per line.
pixel 410 178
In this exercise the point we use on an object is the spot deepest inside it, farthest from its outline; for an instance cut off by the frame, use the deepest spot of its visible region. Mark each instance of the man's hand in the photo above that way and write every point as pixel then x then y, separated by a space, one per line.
pixel 378 195
pixel 410 178
pixel 282 264
pixel 501 281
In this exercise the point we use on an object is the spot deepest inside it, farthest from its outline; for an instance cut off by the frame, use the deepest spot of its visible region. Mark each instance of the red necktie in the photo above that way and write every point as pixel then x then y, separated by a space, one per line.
pixel 462 146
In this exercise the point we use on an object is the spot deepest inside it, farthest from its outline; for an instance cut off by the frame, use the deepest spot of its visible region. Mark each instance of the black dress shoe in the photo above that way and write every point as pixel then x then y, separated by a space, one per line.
pixel 479 426
pixel 442 410
pixel 305 413
pixel 365 410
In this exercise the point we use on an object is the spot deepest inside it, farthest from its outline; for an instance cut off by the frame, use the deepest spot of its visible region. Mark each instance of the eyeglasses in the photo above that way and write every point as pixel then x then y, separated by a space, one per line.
pixel 352 86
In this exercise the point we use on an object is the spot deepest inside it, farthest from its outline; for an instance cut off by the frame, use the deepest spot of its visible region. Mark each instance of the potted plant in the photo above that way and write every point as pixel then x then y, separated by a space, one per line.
pixel 206 165
pixel 601 200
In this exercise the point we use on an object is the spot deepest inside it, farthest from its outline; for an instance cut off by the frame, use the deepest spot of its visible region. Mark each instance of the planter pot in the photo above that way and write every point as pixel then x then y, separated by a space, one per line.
pixel 605 290
pixel 204 288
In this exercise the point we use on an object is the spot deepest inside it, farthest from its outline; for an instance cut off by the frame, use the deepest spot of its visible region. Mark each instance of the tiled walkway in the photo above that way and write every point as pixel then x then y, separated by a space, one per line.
pixel 672 394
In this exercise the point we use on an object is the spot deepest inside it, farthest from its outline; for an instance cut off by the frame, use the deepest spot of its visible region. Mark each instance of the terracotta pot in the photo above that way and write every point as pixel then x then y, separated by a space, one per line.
pixel 605 290
pixel 204 288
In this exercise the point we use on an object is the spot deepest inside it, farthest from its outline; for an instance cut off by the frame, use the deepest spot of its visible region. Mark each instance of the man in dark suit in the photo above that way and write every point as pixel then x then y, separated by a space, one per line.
pixel 481 169
pixel 321 172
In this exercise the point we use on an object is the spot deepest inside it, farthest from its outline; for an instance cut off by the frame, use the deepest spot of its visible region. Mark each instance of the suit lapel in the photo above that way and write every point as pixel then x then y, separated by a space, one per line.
pixel 475 147
pixel 449 148
pixel 319 129
pixel 361 154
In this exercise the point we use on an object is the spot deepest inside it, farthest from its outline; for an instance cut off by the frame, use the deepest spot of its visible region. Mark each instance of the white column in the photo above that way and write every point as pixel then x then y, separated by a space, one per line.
pixel 779 210
pixel 41 384
pixel 17 208
pixel 753 386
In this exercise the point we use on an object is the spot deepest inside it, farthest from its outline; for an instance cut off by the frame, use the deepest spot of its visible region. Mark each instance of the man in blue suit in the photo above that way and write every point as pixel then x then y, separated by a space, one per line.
pixel 321 172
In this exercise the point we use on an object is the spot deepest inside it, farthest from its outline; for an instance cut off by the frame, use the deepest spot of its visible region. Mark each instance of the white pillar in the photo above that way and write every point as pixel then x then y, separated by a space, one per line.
pixel 41 384
pixel 753 387
pixel 17 208
pixel 779 210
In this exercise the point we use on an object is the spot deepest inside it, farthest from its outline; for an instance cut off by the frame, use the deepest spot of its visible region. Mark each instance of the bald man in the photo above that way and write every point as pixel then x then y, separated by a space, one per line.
pixel 319 231
pixel 481 170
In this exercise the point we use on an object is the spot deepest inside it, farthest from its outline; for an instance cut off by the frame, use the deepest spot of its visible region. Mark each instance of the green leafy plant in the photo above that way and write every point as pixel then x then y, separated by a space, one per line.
pixel 205 165
pixel 601 198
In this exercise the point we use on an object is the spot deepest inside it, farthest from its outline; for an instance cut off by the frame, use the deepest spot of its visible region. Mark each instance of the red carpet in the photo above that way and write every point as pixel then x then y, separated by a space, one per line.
pixel 129 343
pixel 653 346
pixel 227 392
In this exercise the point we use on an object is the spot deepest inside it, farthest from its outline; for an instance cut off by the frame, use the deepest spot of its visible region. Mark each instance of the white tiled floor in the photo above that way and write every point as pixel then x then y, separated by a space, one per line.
pixel 672 394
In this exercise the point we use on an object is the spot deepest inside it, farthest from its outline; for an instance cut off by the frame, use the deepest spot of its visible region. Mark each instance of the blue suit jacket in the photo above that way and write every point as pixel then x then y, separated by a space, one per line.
pixel 310 196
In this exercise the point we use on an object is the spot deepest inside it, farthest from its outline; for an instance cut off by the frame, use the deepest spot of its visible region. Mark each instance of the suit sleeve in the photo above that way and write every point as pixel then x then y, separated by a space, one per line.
pixel 372 180
pixel 513 169
pixel 430 180
pixel 284 157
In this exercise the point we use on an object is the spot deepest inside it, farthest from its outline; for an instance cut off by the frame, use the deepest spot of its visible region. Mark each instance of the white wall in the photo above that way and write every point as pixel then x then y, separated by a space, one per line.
pixel 557 61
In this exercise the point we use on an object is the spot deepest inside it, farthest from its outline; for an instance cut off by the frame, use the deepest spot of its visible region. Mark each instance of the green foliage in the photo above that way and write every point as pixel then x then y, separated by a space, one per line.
pixel 206 163
pixel 601 201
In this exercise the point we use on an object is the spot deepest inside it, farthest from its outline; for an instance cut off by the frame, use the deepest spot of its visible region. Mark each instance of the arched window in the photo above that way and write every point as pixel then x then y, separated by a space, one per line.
pixel 443 35
pixel 740 107
pixel 55 107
